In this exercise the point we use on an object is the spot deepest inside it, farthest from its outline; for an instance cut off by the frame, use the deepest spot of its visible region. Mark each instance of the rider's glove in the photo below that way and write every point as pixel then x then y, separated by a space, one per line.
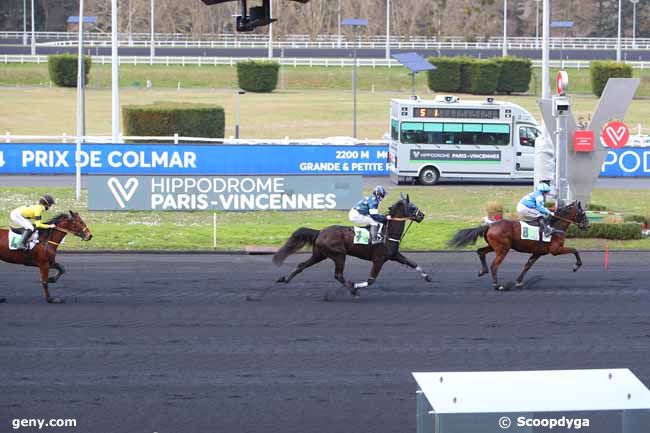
pixel 52 226
pixel 388 217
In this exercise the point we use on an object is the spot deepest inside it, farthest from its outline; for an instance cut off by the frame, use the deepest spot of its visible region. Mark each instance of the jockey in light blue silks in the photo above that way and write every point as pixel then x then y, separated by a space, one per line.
pixel 366 211
pixel 532 207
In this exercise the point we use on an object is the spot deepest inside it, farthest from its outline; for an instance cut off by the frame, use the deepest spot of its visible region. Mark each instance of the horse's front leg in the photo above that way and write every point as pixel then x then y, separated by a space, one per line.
pixel 399 258
pixel 374 272
pixel 60 270
pixel 44 269
pixel 561 250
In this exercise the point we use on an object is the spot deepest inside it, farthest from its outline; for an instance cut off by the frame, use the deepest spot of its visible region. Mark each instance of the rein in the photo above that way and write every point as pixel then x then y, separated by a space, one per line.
pixel 566 220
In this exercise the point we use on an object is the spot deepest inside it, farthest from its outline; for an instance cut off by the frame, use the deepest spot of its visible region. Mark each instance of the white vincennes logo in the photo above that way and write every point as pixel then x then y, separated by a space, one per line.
pixel 416 153
pixel 123 193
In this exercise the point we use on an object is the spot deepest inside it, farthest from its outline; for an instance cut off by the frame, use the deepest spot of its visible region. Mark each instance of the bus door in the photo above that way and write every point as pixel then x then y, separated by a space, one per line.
pixel 524 142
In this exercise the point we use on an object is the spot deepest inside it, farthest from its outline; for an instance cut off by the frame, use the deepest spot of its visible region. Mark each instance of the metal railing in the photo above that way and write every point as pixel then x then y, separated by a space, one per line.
pixel 285 61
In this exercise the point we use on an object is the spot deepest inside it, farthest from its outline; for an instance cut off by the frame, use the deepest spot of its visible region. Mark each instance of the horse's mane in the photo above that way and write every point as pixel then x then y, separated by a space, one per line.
pixel 58 218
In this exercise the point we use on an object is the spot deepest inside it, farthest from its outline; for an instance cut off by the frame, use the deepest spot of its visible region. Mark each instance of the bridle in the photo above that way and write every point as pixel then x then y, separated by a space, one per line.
pixel 566 220
pixel 69 232
pixel 410 219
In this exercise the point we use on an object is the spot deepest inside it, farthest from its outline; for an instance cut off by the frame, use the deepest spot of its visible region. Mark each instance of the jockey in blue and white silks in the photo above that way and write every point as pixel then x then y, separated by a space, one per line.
pixel 366 212
pixel 532 207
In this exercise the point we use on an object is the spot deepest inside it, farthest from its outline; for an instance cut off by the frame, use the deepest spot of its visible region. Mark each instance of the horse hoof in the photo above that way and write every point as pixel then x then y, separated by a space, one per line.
pixel 3 300
pixel 428 279
pixel 51 280
pixel 575 268
pixel 56 301
pixel 281 280
pixel 481 273
pixel 519 285
pixel 500 288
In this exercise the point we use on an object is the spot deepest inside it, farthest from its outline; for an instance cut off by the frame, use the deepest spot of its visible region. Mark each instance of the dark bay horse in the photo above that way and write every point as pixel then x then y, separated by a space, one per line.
pixel 337 242
pixel 43 255
pixel 502 236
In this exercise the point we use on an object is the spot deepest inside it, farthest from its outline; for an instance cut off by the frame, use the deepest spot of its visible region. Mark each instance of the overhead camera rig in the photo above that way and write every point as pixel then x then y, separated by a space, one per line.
pixel 256 16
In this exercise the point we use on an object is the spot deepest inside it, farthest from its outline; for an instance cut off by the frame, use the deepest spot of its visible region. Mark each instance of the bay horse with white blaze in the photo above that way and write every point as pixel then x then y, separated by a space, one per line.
pixel 337 242
pixel 43 255
pixel 504 235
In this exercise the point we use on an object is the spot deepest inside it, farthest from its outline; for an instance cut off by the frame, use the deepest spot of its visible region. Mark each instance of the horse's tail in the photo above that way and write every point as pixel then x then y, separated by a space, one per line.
pixel 467 236
pixel 296 241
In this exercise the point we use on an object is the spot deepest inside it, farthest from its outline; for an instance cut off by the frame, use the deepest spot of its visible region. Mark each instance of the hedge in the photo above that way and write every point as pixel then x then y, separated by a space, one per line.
pixel 63 69
pixel 258 76
pixel 466 73
pixel 514 75
pixel 169 118
pixel 446 76
pixel 485 77
pixel 601 71
pixel 623 231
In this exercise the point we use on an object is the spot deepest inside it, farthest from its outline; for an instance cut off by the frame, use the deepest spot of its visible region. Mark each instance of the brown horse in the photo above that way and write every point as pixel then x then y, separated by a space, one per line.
pixel 337 242
pixel 43 255
pixel 502 236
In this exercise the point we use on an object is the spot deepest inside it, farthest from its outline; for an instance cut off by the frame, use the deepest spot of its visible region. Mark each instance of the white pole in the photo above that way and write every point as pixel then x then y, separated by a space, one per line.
pixel 618 37
pixel 387 29
pixel 546 16
pixel 115 89
pixel 152 48
pixel 81 120
pixel 271 30
pixel 25 22
pixel 339 26
pixel 33 32
pixel 504 52
pixel 634 2
pixel 537 23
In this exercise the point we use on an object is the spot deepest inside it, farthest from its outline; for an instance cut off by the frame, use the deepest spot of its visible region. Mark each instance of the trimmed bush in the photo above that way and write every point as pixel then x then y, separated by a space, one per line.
pixel 466 63
pixel 623 231
pixel 168 118
pixel 514 75
pixel 446 76
pixel 485 77
pixel 63 69
pixel 635 218
pixel 596 207
pixel 258 76
pixel 601 71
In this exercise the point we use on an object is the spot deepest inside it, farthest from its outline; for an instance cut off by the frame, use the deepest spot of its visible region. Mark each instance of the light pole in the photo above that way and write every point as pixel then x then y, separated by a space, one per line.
pixel 152 47
pixel 388 29
pixel 634 2
pixel 505 28
pixel 618 38
pixel 33 32
pixel 271 30
pixel 81 101
pixel 115 89
pixel 537 23
pixel 355 23
pixel 546 17
pixel 239 93
pixel 25 22
pixel 339 27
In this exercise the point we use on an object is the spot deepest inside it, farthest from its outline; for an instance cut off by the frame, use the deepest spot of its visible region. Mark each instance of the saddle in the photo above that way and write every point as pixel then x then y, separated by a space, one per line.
pixel 18 231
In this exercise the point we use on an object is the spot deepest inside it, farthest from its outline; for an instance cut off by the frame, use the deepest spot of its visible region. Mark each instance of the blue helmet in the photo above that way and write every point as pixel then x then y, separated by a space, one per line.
pixel 543 187
pixel 380 192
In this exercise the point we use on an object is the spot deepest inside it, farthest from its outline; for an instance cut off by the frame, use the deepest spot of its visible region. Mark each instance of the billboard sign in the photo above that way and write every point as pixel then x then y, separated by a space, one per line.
pixel 228 193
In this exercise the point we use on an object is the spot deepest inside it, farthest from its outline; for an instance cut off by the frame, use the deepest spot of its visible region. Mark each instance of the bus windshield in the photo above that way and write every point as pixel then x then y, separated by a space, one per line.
pixel 496 134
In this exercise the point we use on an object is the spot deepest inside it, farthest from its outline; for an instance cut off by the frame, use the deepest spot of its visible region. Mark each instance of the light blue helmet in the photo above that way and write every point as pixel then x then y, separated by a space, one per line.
pixel 380 192
pixel 543 187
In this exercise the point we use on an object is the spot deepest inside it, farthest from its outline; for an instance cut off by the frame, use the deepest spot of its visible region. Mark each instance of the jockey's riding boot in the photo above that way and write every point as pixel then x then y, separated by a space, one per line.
pixel 374 234
pixel 26 235
pixel 546 229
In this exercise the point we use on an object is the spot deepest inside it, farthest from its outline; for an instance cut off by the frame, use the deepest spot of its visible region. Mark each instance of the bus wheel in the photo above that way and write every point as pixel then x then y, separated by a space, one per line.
pixel 429 176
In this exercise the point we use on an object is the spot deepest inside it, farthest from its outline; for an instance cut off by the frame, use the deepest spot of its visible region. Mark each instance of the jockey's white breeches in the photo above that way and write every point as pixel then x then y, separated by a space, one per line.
pixel 358 218
pixel 20 220
pixel 527 213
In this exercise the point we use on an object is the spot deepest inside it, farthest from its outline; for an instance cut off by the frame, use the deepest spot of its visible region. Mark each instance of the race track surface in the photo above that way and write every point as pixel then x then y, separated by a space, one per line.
pixel 168 343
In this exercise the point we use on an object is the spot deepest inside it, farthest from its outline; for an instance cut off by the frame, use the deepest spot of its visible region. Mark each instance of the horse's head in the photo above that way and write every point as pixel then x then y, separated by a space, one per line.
pixel 74 224
pixel 403 208
pixel 574 212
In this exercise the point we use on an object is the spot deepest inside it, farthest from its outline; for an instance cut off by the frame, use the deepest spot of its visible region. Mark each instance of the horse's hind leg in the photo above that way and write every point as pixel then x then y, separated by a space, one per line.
pixel 374 272
pixel 482 252
pixel 500 255
pixel 529 264
pixel 60 270
pixel 316 257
